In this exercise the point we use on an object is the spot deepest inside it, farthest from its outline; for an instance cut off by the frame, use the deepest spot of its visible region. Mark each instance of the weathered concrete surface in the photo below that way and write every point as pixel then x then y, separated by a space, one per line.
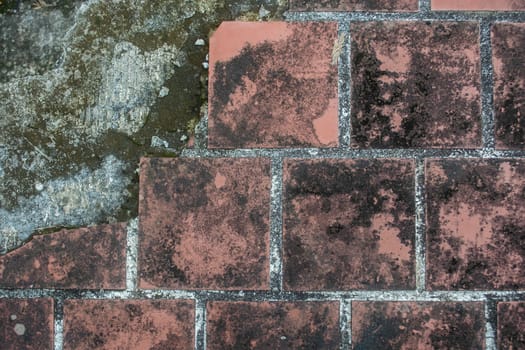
pixel 87 88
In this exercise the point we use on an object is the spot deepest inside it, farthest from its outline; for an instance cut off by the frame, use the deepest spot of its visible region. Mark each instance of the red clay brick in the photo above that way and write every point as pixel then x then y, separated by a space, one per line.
pixel 478 5
pixel 511 325
pixel 26 324
pixel 204 223
pixel 129 324
pixel 86 258
pixel 475 228
pixel 273 325
pixel 348 224
pixel 508 49
pixel 415 84
pixel 421 326
pixel 273 84
pixel 353 5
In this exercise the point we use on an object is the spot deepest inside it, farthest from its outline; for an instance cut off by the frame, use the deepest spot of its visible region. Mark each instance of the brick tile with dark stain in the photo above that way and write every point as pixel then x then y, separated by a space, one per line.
pixel 508 49
pixel 273 84
pixel 417 325
pixel 478 5
pixel 511 325
pixel 348 224
pixel 415 84
pixel 272 325
pixel 474 222
pixel 85 258
pixel 129 324
pixel 26 324
pixel 354 5
pixel 204 223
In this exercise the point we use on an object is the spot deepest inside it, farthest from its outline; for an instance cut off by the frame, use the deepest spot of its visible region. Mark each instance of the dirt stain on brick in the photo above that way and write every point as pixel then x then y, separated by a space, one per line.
pixel 274 92
pixel 348 224
pixel 415 85
pixel 475 234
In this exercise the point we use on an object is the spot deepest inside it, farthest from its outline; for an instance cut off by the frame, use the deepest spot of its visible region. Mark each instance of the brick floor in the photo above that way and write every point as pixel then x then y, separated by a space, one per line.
pixel 359 184
pixel 475 229
pixel 204 223
pixel 268 88
pixel 508 40
pixel 422 326
pixel 128 324
pixel 348 224
pixel 273 325
pixel 26 324
pixel 511 323
pixel 478 5
pixel 415 84
pixel 85 258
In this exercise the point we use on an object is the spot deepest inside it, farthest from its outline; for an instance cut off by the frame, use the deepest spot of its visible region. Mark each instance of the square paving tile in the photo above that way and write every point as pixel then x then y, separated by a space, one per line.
pixel 348 224
pixel 421 326
pixel 204 223
pixel 273 84
pixel 86 258
pixel 129 324
pixel 415 84
pixel 272 325
pixel 475 228
pixel 508 49
pixel 353 5
pixel 478 5
pixel 26 324
pixel 511 325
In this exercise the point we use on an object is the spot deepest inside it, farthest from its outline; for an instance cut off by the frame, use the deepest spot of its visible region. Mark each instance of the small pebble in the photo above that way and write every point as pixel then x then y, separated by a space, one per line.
pixel 200 42
pixel 20 329
pixel 164 91
pixel 39 187
pixel 13 317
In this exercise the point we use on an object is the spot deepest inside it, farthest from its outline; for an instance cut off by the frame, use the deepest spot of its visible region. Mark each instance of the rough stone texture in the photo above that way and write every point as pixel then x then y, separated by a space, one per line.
pixel 511 325
pixel 478 5
pixel 129 324
pixel 422 326
pixel 80 199
pixel 354 5
pixel 475 229
pixel 26 324
pixel 272 325
pixel 415 84
pixel 348 224
pixel 508 49
pixel 204 223
pixel 82 82
pixel 269 88
pixel 87 258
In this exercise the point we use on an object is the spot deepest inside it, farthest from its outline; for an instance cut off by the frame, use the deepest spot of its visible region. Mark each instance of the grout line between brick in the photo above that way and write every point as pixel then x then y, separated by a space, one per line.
pixel 424 6
pixel 420 251
pixel 250 295
pixel 456 16
pixel 201 129
pixel 490 325
pixel 200 324
pixel 132 255
pixel 344 86
pixel 276 231
pixel 58 337
pixel 345 320
pixel 487 87
pixel 350 153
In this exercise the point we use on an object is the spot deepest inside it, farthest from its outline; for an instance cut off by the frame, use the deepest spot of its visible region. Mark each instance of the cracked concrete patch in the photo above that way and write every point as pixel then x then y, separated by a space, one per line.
pixel 85 87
